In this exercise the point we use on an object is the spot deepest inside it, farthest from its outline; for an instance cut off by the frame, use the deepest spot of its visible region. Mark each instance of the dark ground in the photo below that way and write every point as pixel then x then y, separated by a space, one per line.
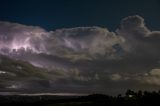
pixel 130 99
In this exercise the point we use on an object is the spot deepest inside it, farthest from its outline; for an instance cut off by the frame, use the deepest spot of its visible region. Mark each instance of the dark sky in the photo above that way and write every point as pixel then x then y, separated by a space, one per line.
pixel 53 14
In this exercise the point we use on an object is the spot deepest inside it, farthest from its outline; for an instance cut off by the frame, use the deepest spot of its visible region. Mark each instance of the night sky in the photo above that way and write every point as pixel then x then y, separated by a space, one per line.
pixel 79 46
pixel 55 14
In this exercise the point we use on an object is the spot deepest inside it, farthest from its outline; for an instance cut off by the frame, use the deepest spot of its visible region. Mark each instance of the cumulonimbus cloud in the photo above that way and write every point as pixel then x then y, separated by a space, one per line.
pixel 96 53
pixel 17 36
pixel 87 40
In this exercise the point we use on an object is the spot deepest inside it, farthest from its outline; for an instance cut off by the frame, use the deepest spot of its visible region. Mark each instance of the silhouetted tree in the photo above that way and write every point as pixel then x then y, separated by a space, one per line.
pixel 139 94
pixel 130 93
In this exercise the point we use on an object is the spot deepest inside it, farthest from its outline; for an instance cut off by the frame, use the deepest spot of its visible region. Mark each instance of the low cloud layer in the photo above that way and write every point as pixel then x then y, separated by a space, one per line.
pixel 89 55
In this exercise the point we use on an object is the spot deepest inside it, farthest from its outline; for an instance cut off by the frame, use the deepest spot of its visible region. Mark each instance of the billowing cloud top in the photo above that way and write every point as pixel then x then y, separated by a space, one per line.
pixel 17 36
pixel 89 55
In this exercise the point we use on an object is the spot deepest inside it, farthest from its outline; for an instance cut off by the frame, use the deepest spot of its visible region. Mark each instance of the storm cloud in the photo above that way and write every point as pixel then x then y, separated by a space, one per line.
pixel 89 56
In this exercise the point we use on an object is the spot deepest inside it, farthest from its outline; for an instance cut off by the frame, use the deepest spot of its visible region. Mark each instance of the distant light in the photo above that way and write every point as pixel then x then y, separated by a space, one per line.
pixel 130 96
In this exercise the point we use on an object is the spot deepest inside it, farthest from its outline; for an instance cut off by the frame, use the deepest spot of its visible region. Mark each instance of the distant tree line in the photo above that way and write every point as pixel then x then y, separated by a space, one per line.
pixel 131 98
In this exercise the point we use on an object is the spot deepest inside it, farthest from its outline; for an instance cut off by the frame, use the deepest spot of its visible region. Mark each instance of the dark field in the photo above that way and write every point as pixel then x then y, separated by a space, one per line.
pixel 130 99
